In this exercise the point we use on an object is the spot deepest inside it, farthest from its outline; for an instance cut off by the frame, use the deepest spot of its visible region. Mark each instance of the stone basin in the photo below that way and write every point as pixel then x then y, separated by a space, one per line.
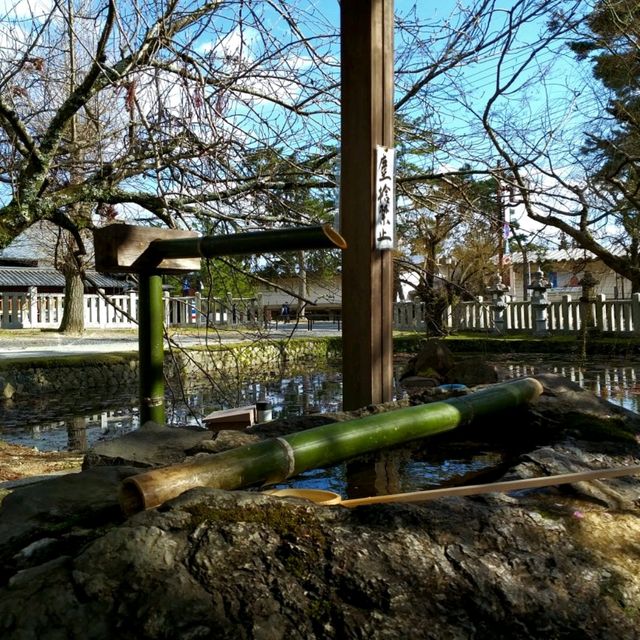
pixel 549 563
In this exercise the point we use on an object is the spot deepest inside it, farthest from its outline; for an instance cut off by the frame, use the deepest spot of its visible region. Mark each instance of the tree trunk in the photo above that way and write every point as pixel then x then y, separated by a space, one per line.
pixel 77 434
pixel 435 306
pixel 435 298
pixel 398 293
pixel 73 316
pixel 302 285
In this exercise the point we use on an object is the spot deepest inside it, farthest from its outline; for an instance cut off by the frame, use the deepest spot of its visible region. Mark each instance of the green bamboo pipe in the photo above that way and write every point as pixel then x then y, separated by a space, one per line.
pixel 277 459
pixel 253 242
pixel 151 348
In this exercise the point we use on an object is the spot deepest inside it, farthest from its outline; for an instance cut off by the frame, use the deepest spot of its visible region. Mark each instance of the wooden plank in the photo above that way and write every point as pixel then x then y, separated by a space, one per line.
pixel 120 248
pixel 236 418
pixel 367 121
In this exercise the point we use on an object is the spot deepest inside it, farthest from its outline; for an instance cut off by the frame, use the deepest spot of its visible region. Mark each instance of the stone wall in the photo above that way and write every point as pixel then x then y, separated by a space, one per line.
pixel 247 358
pixel 55 375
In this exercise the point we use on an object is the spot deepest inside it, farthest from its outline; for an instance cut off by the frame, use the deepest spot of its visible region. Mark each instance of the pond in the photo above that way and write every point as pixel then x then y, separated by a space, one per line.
pixel 76 422
pixel 615 379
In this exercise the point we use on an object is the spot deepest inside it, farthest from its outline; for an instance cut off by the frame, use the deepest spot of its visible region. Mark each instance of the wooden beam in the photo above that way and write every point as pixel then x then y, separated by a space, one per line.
pixel 367 121
pixel 121 248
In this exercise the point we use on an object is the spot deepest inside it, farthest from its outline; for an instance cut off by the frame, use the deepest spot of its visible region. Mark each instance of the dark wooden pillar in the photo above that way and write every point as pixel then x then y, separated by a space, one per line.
pixel 367 121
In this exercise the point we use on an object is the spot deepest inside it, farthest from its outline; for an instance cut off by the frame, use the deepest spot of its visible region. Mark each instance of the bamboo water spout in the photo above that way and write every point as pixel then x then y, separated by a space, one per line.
pixel 150 252
pixel 277 459
pixel 249 243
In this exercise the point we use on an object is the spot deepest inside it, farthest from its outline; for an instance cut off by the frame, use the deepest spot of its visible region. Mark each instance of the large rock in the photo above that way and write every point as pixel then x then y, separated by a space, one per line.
pixel 472 372
pixel 553 563
pixel 243 565
pixel 435 364
pixel 151 445
pixel 39 520
pixel 434 360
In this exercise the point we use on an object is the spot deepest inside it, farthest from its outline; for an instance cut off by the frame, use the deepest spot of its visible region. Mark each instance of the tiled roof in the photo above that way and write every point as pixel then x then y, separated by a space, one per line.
pixel 38 242
pixel 573 254
pixel 42 277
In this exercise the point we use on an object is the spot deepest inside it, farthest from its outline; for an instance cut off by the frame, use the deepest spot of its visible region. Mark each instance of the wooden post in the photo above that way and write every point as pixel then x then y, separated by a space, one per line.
pixel 6 314
pixel 103 311
pixel 132 309
pixel 32 302
pixel 599 315
pixel 367 121
pixel 565 313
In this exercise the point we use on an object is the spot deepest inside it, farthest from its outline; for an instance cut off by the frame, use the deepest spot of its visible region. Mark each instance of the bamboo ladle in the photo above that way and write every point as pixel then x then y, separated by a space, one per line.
pixel 321 496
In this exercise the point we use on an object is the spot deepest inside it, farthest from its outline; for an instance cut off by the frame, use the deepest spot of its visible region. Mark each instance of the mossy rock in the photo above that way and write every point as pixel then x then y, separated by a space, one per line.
pixel 600 429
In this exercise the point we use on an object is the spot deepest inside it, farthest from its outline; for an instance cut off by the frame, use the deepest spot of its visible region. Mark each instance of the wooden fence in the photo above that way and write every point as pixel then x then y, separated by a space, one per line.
pixel 44 310
pixel 563 316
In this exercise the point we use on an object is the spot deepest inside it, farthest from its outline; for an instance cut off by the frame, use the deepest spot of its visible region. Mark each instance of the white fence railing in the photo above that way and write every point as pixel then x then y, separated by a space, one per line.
pixel 44 310
pixel 563 316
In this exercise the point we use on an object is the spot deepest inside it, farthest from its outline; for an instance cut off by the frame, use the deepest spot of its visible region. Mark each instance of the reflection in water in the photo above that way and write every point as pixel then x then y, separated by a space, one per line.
pixel 614 379
pixel 77 433
pixel 72 421
pixel 54 422
pixel 78 422
pixel 299 394
pixel 396 471
pixel 375 475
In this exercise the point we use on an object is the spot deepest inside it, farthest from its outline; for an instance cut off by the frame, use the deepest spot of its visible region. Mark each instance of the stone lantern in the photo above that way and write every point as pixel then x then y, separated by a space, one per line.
pixel 588 284
pixel 497 290
pixel 539 302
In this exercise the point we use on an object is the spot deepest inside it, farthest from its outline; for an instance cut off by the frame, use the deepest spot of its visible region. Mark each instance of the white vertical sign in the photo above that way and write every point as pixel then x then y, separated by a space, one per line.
pixel 385 197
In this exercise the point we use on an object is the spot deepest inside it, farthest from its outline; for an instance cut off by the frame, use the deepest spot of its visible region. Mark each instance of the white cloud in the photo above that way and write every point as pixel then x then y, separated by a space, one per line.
pixel 237 44
pixel 25 9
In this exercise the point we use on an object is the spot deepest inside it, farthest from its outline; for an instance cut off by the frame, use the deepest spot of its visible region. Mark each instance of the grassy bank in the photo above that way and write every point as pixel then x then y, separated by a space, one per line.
pixel 59 360
pixel 523 343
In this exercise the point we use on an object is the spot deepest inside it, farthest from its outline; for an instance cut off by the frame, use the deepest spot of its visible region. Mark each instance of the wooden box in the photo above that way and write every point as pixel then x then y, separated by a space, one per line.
pixel 236 418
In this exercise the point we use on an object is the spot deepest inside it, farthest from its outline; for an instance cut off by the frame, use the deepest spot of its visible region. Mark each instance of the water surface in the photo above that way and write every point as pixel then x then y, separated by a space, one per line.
pixel 77 421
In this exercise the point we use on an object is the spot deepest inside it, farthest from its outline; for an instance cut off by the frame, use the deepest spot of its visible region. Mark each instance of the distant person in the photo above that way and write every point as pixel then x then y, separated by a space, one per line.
pixel 284 312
